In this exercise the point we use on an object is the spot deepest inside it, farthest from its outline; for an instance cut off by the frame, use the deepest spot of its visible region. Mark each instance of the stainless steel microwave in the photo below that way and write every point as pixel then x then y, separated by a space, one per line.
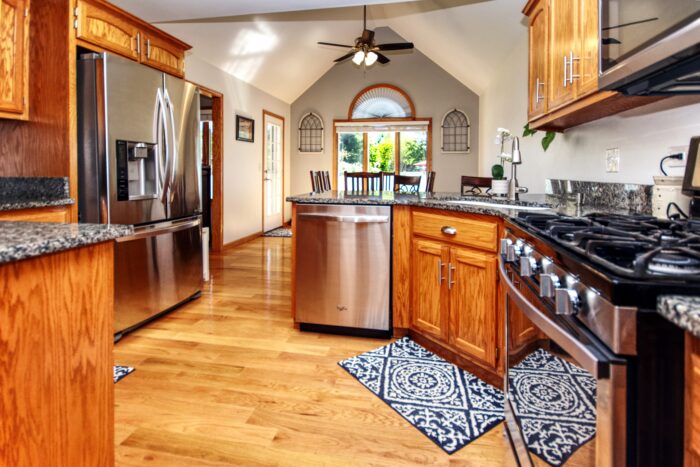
pixel 650 47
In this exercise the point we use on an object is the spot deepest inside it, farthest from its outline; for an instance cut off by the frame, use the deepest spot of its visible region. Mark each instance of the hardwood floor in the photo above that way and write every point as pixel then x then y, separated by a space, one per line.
pixel 226 380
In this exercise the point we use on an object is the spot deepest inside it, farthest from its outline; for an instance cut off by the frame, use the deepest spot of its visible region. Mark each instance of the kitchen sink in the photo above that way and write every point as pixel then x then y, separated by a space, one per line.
pixel 487 204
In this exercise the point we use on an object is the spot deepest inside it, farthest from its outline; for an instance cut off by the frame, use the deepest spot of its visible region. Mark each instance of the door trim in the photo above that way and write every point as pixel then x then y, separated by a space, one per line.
pixel 267 113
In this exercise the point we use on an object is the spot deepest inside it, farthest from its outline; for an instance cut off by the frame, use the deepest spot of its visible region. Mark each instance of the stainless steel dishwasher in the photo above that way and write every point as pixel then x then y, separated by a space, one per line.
pixel 343 280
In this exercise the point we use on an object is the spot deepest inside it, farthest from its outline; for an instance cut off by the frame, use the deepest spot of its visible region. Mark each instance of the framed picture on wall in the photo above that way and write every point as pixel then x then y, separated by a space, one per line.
pixel 245 129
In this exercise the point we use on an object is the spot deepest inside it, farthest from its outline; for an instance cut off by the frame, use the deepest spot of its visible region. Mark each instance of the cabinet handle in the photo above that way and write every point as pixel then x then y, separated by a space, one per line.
pixel 539 97
pixel 572 59
pixel 440 276
pixel 447 230
pixel 450 276
pixel 138 43
pixel 566 80
pixel 148 48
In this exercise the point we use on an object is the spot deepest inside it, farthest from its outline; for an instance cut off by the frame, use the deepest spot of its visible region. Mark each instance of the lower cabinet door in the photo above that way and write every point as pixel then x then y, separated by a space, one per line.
pixel 430 301
pixel 473 318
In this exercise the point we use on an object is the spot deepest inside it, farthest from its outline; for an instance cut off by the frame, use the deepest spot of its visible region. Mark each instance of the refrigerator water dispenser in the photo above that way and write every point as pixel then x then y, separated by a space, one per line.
pixel 136 171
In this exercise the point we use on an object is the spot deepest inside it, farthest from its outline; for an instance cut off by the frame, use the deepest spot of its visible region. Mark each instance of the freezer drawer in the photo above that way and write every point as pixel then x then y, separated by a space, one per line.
pixel 344 266
pixel 157 268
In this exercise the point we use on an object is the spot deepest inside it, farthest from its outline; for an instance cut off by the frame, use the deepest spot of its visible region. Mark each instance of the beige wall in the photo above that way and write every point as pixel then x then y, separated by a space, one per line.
pixel 643 135
pixel 242 181
pixel 433 91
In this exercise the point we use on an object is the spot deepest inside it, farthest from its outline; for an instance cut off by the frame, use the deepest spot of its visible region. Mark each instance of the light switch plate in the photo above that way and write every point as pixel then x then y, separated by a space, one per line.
pixel 612 160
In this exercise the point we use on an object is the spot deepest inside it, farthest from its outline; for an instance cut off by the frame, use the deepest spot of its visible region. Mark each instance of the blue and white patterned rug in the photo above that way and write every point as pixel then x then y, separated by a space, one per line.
pixel 121 372
pixel 554 401
pixel 450 406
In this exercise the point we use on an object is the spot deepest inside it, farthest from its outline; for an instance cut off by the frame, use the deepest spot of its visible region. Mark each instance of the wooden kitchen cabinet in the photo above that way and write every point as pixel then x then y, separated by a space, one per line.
pixel 14 59
pixel 564 48
pixel 538 25
pixel 454 285
pixel 51 214
pixel 430 295
pixel 103 25
pixel 473 324
pixel 692 401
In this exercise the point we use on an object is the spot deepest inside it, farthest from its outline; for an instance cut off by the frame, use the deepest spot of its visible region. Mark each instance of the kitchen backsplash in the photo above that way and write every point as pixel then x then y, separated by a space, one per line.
pixel 626 196
pixel 33 188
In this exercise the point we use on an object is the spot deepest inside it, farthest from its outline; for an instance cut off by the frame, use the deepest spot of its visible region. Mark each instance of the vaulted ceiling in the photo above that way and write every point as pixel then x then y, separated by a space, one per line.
pixel 272 43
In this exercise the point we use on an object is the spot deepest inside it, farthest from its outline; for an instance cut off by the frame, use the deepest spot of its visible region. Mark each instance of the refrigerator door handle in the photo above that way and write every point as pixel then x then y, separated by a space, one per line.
pixel 163 147
pixel 173 161
pixel 155 230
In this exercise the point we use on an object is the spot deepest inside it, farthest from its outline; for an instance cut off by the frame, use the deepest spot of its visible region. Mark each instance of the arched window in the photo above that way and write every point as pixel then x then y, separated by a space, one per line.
pixel 456 132
pixel 311 133
pixel 381 101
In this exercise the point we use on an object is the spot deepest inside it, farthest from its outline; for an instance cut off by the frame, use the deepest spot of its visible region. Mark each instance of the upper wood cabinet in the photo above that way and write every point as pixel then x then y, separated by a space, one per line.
pixel 99 23
pixel 564 66
pixel 14 59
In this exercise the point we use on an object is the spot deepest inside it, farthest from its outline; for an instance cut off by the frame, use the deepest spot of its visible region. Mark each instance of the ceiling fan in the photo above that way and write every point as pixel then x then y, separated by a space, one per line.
pixel 365 50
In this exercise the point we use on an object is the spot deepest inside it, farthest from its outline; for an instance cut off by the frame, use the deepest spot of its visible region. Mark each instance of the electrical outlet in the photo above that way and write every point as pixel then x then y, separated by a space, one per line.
pixel 612 160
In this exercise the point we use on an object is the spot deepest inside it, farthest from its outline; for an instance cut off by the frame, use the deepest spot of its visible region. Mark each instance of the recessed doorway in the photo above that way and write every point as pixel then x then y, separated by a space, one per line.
pixel 273 171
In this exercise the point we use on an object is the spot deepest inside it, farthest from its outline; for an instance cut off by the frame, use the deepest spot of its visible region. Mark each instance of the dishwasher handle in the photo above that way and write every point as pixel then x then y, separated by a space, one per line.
pixel 360 219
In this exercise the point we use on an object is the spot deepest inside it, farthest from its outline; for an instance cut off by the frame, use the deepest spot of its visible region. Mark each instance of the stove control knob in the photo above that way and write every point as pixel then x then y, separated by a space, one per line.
pixel 528 265
pixel 505 242
pixel 511 253
pixel 567 302
pixel 548 284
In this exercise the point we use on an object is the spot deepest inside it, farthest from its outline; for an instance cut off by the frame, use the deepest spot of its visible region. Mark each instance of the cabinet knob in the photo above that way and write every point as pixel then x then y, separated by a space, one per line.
pixel 447 230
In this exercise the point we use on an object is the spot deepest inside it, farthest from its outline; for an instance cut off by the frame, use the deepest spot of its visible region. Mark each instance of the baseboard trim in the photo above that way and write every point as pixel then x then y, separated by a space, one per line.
pixel 241 241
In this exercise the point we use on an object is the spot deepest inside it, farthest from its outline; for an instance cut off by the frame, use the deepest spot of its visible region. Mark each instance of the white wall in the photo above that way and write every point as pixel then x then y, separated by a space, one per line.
pixel 643 135
pixel 433 91
pixel 242 180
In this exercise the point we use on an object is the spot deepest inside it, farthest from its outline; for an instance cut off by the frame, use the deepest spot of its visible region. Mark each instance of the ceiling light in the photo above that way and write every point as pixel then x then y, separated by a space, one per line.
pixel 359 56
pixel 371 58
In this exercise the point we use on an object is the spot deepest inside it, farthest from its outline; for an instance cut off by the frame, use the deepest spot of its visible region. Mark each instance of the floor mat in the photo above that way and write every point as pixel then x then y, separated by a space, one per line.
pixel 121 372
pixel 280 232
pixel 554 401
pixel 450 406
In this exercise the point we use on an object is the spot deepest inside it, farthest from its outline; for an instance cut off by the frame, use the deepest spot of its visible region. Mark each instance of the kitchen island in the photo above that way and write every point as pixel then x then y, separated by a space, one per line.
pixel 56 342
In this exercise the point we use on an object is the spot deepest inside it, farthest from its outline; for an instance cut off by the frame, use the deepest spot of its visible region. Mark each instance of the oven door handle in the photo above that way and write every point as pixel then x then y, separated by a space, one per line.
pixel 566 341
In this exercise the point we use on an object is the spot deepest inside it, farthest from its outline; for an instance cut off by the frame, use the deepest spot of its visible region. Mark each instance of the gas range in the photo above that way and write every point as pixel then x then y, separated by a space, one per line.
pixel 581 296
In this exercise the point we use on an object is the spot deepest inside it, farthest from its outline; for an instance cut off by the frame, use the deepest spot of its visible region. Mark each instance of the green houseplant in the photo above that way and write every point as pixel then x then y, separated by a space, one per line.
pixel 546 140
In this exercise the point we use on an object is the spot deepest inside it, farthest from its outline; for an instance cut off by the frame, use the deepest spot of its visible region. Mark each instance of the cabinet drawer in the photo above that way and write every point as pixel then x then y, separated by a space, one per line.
pixel 471 232
pixel 55 215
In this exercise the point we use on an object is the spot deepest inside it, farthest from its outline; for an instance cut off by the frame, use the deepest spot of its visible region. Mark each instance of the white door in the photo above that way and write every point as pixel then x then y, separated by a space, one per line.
pixel 273 170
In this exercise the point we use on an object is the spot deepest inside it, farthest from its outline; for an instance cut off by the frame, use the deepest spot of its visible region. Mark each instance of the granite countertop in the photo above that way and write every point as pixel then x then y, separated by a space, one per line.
pixel 445 201
pixel 33 192
pixel 683 311
pixel 22 240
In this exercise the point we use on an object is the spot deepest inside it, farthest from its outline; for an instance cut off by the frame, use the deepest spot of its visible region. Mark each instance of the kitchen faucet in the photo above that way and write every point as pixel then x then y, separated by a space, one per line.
pixel 516 159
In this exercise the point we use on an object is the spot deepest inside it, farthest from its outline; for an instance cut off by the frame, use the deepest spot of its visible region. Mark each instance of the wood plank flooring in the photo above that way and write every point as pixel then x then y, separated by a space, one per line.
pixel 227 380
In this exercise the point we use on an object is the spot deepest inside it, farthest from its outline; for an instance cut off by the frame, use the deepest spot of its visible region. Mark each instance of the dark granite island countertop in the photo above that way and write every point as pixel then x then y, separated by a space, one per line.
pixel 681 310
pixel 22 240
pixel 33 192
pixel 446 201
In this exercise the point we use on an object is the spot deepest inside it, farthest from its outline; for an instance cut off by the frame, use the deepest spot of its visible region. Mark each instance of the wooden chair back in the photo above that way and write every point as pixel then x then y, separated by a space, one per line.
pixel 475 185
pixel 407 183
pixel 363 181
pixel 388 180
pixel 430 182
pixel 320 181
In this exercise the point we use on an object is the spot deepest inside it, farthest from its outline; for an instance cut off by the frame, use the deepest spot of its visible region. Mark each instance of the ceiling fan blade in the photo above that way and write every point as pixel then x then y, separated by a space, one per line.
pixel 395 46
pixel 335 45
pixel 382 58
pixel 610 41
pixel 344 57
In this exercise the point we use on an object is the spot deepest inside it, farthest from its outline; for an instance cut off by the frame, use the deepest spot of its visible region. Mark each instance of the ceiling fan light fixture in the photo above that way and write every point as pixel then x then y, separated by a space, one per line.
pixel 371 58
pixel 358 57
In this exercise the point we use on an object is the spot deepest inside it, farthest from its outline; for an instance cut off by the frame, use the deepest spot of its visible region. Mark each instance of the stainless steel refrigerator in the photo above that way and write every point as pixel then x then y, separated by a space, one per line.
pixel 139 164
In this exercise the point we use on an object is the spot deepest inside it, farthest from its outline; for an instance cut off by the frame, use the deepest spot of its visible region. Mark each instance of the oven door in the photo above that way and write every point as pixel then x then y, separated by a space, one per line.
pixel 566 392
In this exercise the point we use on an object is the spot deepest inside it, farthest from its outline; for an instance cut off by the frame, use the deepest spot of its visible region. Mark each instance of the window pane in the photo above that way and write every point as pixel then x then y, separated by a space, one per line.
pixel 349 155
pixel 414 155
pixel 380 146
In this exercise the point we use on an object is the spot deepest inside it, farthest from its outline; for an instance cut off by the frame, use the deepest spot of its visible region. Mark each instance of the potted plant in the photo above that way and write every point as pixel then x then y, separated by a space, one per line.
pixel 499 183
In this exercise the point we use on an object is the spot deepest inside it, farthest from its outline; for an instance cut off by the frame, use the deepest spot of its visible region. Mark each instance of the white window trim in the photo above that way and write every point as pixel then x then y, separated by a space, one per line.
pixel 469 133
pixel 381 126
pixel 323 134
